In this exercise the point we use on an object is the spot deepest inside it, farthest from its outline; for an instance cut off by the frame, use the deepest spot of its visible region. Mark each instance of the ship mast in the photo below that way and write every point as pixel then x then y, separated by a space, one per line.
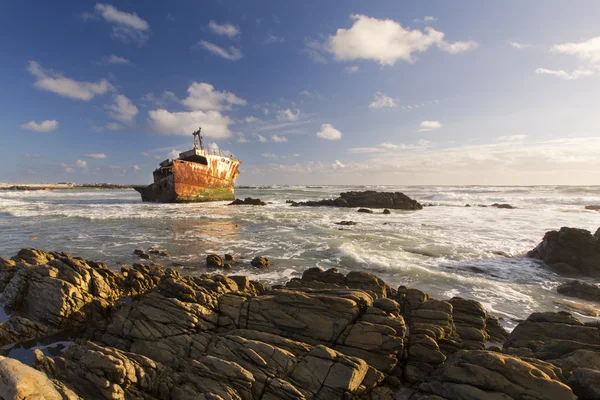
pixel 198 139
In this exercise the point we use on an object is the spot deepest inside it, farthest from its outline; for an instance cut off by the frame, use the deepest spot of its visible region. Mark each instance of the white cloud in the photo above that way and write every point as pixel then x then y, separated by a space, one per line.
pixel 241 138
pixel 113 126
pixel 49 125
pixel 520 46
pixel 427 18
pixel 136 168
pixel 265 111
pixel 274 39
pixel 122 109
pixel 128 27
pixel 352 69
pixel 269 155
pixel 224 29
pixel 386 41
pixel 429 125
pixel 569 76
pixel 96 156
pixel 81 164
pixel 337 165
pixel 329 132
pixel 203 96
pixel 213 123
pixel 166 96
pixel 315 49
pixel 57 83
pixel 288 115
pixel 251 119
pixel 112 59
pixel 260 138
pixel 279 139
pixel 382 101
pixel 32 155
pixel 232 54
pixel 588 50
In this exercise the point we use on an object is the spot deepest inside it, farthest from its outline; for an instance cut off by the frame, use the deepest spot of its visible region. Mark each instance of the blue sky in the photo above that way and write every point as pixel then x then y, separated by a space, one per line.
pixel 311 92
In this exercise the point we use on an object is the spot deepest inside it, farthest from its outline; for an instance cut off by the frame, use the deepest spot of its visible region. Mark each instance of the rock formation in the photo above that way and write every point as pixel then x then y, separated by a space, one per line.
pixel 247 201
pixel 367 199
pixel 151 333
pixel 582 290
pixel 570 252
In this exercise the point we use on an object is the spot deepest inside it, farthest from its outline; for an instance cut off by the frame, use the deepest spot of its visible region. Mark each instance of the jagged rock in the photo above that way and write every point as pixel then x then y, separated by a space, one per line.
pixel 261 262
pixel 386 211
pixel 248 201
pixel 570 251
pixel 476 374
pixel 579 289
pixel 594 208
pixel 585 383
pixel 214 261
pixel 346 223
pixel 370 199
pixel 21 382
pixel 158 252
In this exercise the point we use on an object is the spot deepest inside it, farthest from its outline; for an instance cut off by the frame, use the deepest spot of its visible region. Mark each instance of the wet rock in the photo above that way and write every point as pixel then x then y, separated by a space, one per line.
pixel 585 383
pixel 579 289
pixel 506 206
pixel 570 251
pixel 346 223
pixel 158 252
pixel 365 210
pixel 248 201
pixel 594 208
pixel 369 198
pixel 261 262
pixel 386 211
pixel 214 261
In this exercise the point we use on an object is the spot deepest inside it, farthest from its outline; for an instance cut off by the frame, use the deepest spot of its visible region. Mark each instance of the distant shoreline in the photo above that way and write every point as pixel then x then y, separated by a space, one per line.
pixel 62 186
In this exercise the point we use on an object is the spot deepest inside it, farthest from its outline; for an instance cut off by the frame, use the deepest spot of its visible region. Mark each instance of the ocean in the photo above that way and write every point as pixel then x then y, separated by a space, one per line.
pixel 446 249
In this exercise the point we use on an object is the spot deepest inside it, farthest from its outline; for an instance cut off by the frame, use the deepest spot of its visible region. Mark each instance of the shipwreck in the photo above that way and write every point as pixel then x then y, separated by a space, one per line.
pixel 197 175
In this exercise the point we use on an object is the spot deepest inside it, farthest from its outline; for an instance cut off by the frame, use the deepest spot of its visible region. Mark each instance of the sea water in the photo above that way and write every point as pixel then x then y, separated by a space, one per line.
pixel 446 249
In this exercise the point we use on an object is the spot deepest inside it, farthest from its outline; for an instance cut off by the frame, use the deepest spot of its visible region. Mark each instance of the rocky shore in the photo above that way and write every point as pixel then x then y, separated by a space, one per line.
pixel 367 199
pixel 59 186
pixel 147 332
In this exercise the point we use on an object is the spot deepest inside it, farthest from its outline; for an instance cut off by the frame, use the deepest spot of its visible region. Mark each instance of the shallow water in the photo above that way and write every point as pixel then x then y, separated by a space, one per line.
pixel 446 250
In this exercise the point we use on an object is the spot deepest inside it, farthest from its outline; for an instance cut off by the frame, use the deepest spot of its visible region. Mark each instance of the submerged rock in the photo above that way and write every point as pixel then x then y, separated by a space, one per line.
pixel 570 252
pixel 507 206
pixel 346 223
pixel 261 262
pixel 369 198
pixel 594 208
pixel 386 211
pixel 582 290
pixel 248 201
pixel 365 210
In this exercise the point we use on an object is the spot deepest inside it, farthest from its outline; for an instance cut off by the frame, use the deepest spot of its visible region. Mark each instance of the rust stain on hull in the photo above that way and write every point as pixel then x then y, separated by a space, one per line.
pixel 195 177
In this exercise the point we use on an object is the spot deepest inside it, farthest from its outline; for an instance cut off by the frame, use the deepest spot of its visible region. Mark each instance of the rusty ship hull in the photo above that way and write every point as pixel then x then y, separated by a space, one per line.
pixel 197 176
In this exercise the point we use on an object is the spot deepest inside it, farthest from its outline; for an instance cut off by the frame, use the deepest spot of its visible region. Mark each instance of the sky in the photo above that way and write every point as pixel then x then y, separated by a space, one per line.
pixel 303 92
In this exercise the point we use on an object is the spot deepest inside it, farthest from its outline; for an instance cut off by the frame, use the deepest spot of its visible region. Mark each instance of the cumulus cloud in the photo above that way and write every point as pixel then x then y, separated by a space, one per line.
pixel 57 83
pixel 429 125
pixel 165 97
pixel 386 41
pixel 427 18
pixel 315 49
pixel 338 164
pixel 269 155
pixel 112 59
pixel 203 96
pixel 288 115
pixel 241 138
pixel 328 132
pixel 352 69
pixel 81 164
pixel 137 168
pixel 279 139
pixel 127 27
pixel 251 119
pixel 588 50
pixel 96 156
pixel 224 29
pixel 261 138
pixel 569 76
pixel 382 101
pixel 122 109
pixel 49 125
pixel 213 123
pixel 233 54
